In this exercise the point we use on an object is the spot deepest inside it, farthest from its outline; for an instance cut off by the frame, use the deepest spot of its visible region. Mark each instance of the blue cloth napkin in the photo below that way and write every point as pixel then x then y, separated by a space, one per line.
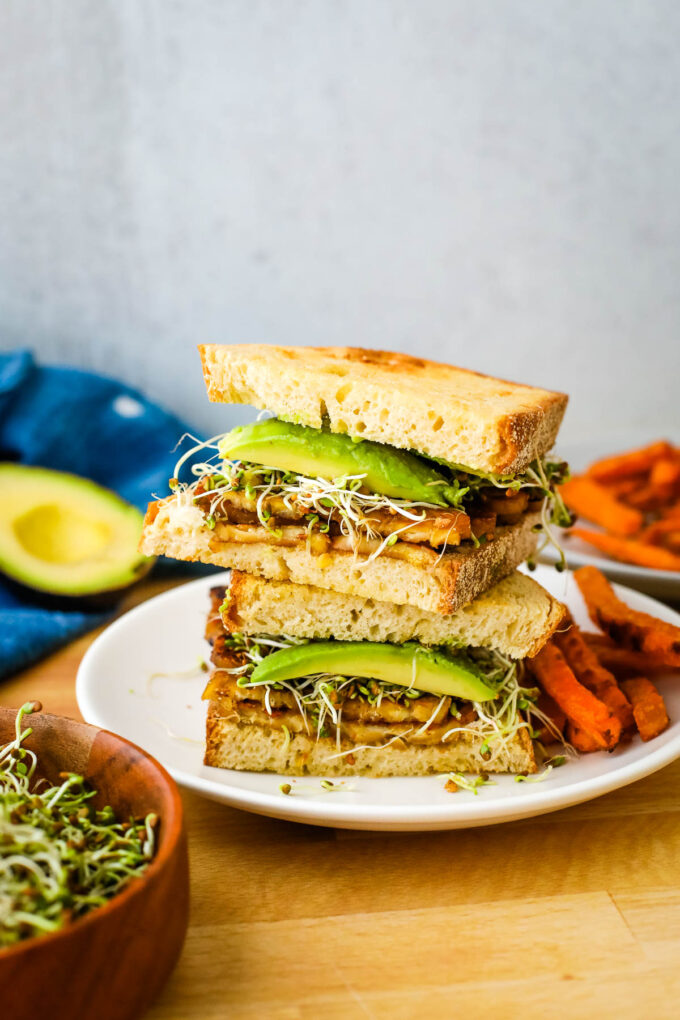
pixel 75 421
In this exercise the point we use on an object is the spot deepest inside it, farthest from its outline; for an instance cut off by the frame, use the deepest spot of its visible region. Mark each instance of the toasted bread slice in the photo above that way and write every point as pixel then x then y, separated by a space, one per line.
pixel 251 747
pixel 462 417
pixel 516 616
pixel 437 584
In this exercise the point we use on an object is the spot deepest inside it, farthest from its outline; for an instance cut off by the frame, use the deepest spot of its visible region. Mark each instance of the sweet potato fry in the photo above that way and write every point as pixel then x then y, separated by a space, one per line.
pixel 635 498
pixel 628 627
pixel 589 499
pixel 598 642
pixel 649 709
pixel 628 550
pixel 592 674
pixel 671 541
pixel 665 478
pixel 665 533
pixel 623 488
pixel 655 531
pixel 623 662
pixel 576 701
pixel 671 513
pixel 581 740
pixel 546 734
pixel 647 497
pixel 634 462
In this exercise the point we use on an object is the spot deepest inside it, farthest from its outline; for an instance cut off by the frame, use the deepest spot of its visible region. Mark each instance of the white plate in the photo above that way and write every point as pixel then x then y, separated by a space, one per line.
pixel 166 717
pixel 662 584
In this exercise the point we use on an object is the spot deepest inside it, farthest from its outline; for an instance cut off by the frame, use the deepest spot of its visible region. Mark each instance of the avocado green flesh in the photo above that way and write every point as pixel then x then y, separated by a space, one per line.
pixel 319 454
pixel 404 665
pixel 65 535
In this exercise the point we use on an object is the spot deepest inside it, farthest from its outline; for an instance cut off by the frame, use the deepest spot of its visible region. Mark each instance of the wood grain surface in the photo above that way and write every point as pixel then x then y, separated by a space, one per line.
pixel 573 914
pixel 135 939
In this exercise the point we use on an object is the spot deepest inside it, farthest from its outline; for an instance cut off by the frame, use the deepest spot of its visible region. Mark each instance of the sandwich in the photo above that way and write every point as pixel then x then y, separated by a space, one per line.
pixel 312 681
pixel 380 476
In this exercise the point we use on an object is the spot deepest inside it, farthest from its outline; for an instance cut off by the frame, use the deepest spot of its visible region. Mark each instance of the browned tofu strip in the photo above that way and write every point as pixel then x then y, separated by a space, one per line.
pixel 437 528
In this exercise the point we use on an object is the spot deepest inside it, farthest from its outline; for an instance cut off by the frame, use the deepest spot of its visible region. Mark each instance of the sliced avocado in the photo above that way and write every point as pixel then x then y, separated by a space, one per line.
pixel 319 454
pixel 408 665
pixel 66 536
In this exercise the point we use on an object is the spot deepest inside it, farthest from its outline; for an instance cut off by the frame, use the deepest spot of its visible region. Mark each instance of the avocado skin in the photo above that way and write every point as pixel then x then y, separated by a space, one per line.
pixel 25 488
pixel 94 602
pixel 409 665
pixel 320 454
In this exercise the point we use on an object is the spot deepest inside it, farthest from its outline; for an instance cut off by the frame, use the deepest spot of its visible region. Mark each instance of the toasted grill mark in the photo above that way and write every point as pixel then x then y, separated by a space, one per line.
pixel 385 359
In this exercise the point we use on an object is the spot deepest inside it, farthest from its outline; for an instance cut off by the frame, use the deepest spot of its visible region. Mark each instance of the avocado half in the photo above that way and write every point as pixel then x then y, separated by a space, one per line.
pixel 66 539
pixel 409 665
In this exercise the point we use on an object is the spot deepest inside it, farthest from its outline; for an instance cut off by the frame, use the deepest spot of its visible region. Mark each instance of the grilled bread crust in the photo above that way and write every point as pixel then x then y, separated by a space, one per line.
pixel 463 417
pixel 442 587
pixel 250 747
pixel 516 617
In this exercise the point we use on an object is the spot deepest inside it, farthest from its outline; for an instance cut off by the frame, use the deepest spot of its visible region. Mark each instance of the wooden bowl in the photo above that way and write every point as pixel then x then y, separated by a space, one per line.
pixel 110 964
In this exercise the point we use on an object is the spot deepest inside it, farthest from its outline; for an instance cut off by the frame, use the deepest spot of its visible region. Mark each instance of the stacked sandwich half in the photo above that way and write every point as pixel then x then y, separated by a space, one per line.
pixel 374 622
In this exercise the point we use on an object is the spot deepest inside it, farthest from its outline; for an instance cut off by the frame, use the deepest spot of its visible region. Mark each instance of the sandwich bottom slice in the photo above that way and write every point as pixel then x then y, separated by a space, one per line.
pixel 335 685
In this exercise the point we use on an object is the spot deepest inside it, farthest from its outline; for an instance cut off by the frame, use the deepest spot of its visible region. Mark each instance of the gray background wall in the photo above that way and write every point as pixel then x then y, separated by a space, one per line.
pixel 492 183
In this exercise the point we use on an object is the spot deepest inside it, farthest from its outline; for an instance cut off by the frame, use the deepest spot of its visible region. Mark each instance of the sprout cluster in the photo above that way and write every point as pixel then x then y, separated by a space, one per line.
pixel 343 499
pixel 59 857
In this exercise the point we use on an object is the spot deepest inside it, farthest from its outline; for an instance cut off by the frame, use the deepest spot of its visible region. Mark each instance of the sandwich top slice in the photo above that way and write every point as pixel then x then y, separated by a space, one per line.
pixel 445 413
pixel 314 682
pixel 441 475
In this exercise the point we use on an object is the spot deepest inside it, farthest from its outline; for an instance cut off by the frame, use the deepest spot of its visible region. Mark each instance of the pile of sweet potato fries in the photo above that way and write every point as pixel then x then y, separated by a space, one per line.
pixel 635 498
pixel 596 687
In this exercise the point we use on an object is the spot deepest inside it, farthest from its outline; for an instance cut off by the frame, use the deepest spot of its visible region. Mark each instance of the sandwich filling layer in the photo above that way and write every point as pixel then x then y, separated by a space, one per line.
pixel 254 684
pixel 328 491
